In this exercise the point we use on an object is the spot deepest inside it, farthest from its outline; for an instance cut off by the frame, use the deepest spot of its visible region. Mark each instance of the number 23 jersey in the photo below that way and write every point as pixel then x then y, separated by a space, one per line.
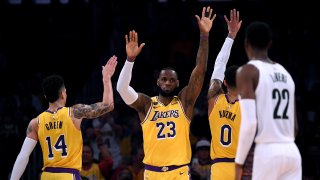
pixel 166 134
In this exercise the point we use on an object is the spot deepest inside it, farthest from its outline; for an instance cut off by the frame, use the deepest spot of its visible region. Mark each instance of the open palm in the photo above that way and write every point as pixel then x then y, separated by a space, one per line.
pixel 205 22
pixel 132 47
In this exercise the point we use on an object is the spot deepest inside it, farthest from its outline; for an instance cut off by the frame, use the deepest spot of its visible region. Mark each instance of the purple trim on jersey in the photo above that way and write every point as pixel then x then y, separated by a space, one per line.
pixel 217 160
pixel 229 100
pixel 53 112
pixel 75 172
pixel 162 169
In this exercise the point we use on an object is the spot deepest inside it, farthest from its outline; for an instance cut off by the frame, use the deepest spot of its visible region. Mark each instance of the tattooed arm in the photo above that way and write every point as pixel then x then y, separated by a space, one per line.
pixel 28 145
pixel 80 111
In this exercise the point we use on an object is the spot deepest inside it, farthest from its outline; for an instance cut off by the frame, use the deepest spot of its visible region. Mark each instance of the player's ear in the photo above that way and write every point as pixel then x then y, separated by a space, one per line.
pixel 178 83
pixel 158 82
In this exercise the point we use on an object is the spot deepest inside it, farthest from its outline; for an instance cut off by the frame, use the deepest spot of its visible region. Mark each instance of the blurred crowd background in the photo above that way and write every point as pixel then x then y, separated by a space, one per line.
pixel 74 38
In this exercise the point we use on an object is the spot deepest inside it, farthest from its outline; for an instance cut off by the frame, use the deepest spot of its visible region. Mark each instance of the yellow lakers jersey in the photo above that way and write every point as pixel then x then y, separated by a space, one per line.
pixel 224 120
pixel 166 134
pixel 60 140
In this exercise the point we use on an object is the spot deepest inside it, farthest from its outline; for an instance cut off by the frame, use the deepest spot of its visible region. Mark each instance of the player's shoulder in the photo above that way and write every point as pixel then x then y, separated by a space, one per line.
pixel 247 70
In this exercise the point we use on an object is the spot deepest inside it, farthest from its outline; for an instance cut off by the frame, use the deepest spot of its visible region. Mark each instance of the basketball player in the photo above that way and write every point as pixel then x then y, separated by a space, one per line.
pixel 58 129
pixel 165 119
pixel 223 108
pixel 267 103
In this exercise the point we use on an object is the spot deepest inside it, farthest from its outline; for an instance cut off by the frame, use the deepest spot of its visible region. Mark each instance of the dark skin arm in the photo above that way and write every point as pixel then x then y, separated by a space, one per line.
pixel 189 94
pixel 247 80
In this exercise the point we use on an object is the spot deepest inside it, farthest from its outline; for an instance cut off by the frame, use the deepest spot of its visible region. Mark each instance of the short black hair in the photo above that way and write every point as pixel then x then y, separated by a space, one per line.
pixel 169 68
pixel 52 86
pixel 230 76
pixel 258 34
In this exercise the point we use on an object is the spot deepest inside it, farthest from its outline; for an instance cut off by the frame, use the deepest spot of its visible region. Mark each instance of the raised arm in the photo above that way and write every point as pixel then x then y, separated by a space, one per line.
pixel 80 111
pixel 138 101
pixel 217 77
pixel 28 145
pixel 190 93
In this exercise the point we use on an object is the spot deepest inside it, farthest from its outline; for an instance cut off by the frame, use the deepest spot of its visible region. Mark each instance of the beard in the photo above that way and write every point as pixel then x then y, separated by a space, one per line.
pixel 167 93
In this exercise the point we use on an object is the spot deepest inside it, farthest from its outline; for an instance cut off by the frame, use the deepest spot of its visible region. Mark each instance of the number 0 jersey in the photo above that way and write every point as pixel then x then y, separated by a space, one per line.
pixel 275 93
pixel 60 140
pixel 166 134
pixel 224 120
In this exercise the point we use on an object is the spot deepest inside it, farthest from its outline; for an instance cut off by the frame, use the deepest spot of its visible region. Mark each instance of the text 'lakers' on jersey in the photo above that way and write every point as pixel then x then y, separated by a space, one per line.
pixel 166 134
pixel 224 121
pixel 60 140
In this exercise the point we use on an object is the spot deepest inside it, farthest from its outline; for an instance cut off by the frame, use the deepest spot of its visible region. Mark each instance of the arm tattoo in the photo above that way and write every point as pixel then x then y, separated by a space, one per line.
pixel 29 129
pixel 215 88
pixel 91 111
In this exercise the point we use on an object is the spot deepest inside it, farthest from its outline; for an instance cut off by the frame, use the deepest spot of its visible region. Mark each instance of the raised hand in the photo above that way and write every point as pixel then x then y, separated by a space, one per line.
pixel 109 68
pixel 234 23
pixel 205 23
pixel 132 47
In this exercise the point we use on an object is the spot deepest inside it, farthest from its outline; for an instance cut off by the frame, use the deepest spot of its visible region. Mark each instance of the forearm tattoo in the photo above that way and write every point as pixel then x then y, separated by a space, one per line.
pixel 90 111
pixel 29 129
pixel 215 88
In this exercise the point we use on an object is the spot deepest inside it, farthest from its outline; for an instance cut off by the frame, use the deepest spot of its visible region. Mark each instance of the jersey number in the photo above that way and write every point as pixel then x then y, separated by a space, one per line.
pixel 171 125
pixel 60 145
pixel 280 97
pixel 225 140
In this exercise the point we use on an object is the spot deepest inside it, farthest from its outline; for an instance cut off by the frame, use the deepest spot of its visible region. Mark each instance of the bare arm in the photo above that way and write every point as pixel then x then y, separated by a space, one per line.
pixel 190 93
pixel 80 111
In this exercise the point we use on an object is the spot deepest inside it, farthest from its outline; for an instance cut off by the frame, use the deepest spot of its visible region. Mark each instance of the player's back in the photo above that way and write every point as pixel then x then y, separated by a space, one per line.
pixel 224 120
pixel 60 140
pixel 275 93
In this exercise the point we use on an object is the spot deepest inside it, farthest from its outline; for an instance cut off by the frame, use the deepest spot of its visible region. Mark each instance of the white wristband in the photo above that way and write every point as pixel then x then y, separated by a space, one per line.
pixel 222 60
pixel 127 93
pixel 247 129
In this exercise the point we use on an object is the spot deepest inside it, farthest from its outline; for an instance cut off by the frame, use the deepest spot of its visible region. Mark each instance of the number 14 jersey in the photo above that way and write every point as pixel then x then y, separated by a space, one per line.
pixel 60 140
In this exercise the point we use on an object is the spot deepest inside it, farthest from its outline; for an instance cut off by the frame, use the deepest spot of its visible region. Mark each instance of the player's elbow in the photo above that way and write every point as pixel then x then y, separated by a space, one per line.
pixel 120 88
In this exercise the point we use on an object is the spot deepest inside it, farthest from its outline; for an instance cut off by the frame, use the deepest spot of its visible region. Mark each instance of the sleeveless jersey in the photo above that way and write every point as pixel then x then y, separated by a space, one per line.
pixel 166 134
pixel 60 140
pixel 224 120
pixel 275 103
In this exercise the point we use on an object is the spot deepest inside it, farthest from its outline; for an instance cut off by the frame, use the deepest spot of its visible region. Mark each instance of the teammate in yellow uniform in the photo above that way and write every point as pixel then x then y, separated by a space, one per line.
pixel 58 129
pixel 165 119
pixel 223 108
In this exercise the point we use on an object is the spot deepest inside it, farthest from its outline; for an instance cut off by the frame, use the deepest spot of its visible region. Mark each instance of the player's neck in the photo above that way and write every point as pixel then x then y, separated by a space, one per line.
pixel 232 95
pixel 261 55
pixel 53 107
pixel 165 100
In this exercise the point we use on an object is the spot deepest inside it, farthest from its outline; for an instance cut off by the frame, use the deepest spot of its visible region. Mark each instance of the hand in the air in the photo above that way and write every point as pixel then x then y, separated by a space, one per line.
pixel 205 23
pixel 132 47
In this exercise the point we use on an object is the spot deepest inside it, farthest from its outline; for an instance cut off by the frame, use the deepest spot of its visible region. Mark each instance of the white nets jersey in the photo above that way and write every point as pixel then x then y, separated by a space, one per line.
pixel 275 103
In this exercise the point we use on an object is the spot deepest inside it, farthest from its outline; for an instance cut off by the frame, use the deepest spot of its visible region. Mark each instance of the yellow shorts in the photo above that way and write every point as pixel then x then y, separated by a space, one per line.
pixel 223 170
pixel 179 173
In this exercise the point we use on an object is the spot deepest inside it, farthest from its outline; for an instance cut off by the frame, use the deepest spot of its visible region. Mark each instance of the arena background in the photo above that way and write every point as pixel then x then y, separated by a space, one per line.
pixel 74 38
